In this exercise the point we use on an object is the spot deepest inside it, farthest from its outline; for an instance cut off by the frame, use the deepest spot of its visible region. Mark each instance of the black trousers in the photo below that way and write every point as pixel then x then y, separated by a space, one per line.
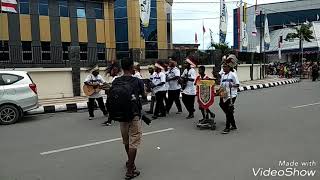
pixel 174 96
pixel 225 106
pixel 153 100
pixel 100 103
pixel 160 108
pixel 315 76
pixel 188 101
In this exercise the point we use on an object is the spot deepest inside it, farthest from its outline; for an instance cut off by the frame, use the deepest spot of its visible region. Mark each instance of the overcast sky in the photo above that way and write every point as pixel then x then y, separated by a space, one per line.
pixel 204 13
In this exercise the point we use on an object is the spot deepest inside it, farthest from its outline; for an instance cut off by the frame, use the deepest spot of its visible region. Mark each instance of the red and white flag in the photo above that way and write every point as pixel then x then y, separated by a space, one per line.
pixel 9 6
pixel 196 38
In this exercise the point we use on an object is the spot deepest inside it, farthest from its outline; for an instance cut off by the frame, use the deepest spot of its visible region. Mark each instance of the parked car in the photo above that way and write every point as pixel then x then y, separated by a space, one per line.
pixel 18 94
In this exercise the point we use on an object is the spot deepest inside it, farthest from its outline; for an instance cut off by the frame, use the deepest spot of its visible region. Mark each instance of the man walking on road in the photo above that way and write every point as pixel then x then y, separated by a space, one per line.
pixel 189 88
pixel 230 83
pixel 174 87
pixel 95 80
pixel 125 106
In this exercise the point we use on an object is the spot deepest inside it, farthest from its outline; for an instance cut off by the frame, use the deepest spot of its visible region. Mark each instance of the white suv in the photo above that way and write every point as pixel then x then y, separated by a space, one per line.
pixel 18 94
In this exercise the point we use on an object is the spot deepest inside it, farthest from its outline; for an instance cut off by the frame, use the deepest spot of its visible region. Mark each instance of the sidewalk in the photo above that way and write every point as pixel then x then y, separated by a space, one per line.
pixel 78 103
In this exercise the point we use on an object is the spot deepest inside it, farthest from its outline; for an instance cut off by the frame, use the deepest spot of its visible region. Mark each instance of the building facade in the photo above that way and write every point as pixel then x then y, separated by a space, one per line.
pixel 43 30
pixel 281 17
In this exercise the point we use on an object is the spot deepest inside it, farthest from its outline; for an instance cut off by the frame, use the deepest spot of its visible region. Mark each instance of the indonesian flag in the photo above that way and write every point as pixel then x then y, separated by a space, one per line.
pixel 9 6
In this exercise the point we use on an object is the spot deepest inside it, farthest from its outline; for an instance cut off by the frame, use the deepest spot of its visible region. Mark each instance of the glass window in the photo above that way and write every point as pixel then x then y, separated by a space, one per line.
pixel 10 79
pixel 26 45
pixel 65 50
pixel 151 31
pixel 24 6
pixel 46 51
pixel 26 50
pixel 63 8
pixel 83 51
pixel 43 7
pixel 101 52
pixel 121 27
pixel 81 13
pixel 98 9
pixel 81 10
pixel 45 46
pixel 4 51
pixel 122 50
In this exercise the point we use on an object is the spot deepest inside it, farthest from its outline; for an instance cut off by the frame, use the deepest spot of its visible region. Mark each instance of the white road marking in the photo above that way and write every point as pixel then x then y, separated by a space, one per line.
pixel 100 142
pixel 306 105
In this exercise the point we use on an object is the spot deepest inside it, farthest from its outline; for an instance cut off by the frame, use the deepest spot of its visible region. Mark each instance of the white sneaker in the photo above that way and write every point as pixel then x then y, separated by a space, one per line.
pixel 90 118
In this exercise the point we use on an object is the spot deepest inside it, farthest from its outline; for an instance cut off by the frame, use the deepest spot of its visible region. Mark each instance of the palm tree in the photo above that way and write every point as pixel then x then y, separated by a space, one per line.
pixel 304 33
pixel 223 47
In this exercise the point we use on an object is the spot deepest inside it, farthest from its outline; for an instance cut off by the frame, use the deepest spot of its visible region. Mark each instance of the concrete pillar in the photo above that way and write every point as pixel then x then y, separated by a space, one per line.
pixel 74 56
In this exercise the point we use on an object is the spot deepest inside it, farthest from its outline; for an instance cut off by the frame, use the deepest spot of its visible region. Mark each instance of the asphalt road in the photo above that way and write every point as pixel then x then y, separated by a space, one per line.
pixel 274 125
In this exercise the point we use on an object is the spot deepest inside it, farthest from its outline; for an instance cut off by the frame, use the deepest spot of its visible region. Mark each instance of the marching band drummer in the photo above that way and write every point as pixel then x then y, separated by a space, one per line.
pixel 94 79
pixel 189 88
pixel 153 96
pixel 159 89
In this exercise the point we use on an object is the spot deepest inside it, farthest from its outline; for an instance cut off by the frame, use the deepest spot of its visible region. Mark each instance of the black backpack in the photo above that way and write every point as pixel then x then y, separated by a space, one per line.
pixel 122 102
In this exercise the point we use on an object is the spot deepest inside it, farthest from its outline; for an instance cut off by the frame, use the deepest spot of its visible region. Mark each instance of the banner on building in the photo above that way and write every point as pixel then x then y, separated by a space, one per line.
pixel 254 29
pixel 244 29
pixel 267 39
pixel 145 9
pixel 223 22
pixel 9 6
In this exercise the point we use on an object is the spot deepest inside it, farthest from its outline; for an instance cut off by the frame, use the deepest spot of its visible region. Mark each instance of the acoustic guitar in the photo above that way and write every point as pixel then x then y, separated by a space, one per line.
pixel 91 89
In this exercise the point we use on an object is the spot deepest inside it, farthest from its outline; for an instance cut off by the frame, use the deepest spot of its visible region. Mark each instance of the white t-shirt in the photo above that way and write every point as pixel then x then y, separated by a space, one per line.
pixel 222 72
pixel 137 75
pixel 190 88
pixel 95 79
pixel 151 79
pixel 115 77
pixel 157 79
pixel 167 83
pixel 173 84
pixel 225 79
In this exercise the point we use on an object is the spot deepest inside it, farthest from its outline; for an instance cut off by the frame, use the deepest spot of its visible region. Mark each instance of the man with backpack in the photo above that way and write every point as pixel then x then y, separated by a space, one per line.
pixel 125 106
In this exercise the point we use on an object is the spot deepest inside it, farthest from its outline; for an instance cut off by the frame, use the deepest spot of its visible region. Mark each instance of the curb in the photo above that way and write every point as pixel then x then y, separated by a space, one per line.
pixel 74 107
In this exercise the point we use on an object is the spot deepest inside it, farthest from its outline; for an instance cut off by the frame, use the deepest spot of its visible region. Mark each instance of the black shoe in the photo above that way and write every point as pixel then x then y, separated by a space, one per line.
pixel 225 131
pixel 162 115
pixel 107 123
pixel 149 112
pixel 190 116
pixel 233 128
pixel 154 117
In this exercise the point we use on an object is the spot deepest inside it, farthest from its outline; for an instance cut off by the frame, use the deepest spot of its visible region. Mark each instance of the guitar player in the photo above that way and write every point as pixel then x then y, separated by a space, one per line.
pixel 94 79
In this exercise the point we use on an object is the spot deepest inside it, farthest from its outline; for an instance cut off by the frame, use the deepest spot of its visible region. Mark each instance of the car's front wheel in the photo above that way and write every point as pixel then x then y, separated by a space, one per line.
pixel 9 114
